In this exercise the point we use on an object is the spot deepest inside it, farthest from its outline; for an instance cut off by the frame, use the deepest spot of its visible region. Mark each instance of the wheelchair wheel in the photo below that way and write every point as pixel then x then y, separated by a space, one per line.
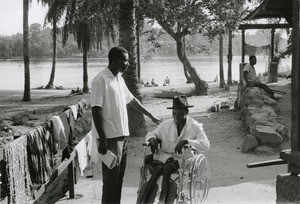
pixel 200 177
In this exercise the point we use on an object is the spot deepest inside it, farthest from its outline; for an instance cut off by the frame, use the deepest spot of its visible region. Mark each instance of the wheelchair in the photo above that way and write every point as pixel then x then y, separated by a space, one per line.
pixel 192 180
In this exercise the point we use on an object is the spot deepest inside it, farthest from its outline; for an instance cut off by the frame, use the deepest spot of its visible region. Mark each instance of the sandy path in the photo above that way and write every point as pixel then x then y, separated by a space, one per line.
pixel 231 180
pixel 228 164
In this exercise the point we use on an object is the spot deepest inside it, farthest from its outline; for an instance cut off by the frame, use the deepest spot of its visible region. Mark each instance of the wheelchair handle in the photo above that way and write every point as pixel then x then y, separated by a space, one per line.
pixel 146 144
pixel 186 146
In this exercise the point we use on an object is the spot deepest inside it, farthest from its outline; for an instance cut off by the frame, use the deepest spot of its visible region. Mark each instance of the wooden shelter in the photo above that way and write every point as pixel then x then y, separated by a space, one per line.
pixel 268 9
pixel 287 186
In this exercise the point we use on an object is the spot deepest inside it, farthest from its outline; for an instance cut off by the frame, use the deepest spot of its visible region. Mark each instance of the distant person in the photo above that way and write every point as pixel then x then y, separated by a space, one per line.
pixel 153 83
pixel 250 79
pixel 147 84
pixel 109 99
pixel 216 78
pixel 142 83
pixel 167 81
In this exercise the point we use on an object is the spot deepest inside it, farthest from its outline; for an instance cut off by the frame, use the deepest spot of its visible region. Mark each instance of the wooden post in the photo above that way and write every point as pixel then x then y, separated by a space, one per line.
pixel 295 130
pixel 71 179
pixel 229 73
pixel 272 45
pixel 243 46
pixel 138 51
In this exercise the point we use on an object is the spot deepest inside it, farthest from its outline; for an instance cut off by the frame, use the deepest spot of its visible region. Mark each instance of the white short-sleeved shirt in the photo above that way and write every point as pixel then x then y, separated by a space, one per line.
pixel 167 133
pixel 111 94
pixel 251 73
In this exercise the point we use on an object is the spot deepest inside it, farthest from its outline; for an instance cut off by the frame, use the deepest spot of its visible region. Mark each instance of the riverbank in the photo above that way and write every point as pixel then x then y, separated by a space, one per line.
pixel 230 179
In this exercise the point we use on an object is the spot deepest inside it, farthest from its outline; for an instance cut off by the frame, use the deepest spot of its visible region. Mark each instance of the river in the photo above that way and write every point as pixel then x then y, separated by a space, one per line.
pixel 69 72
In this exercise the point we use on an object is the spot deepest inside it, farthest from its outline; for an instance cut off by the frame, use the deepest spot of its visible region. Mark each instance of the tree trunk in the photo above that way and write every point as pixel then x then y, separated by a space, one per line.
pixel 85 88
pixel 229 74
pixel 26 95
pixel 221 71
pixel 201 85
pixel 186 74
pixel 138 50
pixel 127 39
pixel 50 84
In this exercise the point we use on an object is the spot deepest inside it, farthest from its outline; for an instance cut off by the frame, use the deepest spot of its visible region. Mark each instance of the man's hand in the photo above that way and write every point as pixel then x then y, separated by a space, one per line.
pixel 153 144
pixel 102 146
pixel 156 120
pixel 179 146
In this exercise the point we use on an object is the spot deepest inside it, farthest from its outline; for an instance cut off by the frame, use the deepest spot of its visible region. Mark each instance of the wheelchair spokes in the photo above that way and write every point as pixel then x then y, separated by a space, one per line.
pixel 199 185
pixel 183 187
pixel 192 179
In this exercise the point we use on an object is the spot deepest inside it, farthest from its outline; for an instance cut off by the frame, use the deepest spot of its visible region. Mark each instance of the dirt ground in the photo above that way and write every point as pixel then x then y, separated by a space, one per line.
pixel 223 128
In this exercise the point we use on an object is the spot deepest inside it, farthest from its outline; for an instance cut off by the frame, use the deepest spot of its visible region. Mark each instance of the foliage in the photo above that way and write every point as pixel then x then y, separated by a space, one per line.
pixel 196 45
pixel 199 21
pixel 227 15
pixel 90 22
pixel 177 17
pixel 41 46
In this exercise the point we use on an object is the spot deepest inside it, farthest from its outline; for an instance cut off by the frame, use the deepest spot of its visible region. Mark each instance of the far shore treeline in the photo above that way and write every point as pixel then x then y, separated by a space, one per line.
pixel 40 42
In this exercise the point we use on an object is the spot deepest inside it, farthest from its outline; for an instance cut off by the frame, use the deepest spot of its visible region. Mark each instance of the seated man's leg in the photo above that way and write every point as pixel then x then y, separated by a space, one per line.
pixel 170 167
pixel 266 88
pixel 157 172
pixel 260 85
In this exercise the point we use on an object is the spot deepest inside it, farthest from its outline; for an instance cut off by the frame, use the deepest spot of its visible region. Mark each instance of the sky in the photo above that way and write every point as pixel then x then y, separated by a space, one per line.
pixel 11 15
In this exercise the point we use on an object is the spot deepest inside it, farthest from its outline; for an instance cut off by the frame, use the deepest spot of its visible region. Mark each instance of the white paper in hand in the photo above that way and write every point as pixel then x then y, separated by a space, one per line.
pixel 109 159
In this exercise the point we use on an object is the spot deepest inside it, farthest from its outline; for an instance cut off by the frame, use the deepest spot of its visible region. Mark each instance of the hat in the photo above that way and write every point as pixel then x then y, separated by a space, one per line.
pixel 180 102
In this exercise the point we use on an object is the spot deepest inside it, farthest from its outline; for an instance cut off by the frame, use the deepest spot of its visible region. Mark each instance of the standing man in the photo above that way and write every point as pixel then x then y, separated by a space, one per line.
pixel 109 98
pixel 250 78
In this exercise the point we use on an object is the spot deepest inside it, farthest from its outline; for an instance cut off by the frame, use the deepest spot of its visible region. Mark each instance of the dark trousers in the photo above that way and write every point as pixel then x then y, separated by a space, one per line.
pixel 113 178
pixel 260 85
pixel 158 169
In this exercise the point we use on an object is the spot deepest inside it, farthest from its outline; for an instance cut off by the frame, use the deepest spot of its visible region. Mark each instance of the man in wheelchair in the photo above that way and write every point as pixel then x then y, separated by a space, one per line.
pixel 172 135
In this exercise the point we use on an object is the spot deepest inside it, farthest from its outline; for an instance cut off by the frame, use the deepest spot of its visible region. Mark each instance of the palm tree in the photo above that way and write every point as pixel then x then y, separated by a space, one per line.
pixel 50 84
pixel 229 74
pixel 89 22
pixel 127 39
pixel 54 14
pixel 221 69
pixel 26 95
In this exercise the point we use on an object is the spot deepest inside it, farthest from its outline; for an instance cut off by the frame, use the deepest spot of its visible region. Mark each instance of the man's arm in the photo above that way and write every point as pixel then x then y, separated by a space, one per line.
pixel 200 140
pixel 136 104
pixel 250 83
pixel 98 122
pixel 245 75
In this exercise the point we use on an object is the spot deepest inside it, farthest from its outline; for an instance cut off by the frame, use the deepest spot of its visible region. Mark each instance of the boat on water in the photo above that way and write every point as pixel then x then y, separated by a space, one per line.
pixel 169 94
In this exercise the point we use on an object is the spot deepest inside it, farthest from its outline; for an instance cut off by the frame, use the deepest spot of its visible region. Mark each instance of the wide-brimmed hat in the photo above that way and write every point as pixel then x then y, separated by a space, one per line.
pixel 180 102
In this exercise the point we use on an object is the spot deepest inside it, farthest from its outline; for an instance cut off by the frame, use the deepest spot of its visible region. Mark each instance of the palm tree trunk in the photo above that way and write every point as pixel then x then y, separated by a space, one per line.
pixel 127 39
pixel 229 74
pixel 221 70
pixel 201 85
pixel 50 84
pixel 26 95
pixel 85 88
pixel 138 50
